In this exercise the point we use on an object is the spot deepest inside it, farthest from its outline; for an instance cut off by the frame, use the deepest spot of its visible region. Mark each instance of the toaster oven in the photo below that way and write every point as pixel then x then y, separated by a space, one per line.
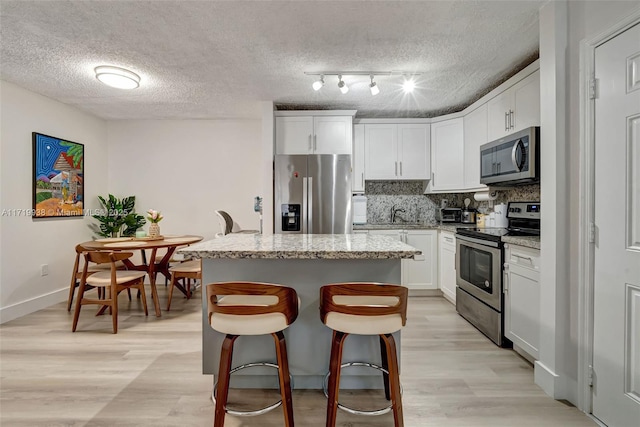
pixel 451 215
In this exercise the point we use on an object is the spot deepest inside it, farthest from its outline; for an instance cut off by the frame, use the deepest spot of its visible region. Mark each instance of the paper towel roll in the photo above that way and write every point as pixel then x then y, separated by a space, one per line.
pixel 484 196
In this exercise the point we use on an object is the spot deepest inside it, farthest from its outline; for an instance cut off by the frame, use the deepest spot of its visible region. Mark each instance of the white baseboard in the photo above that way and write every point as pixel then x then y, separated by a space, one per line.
pixel 32 305
pixel 425 293
pixel 547 380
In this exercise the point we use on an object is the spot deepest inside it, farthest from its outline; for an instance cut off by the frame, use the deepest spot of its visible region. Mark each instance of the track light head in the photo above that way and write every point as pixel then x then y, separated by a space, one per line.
pixel 343 87
pixel 374 87
pixel 317 85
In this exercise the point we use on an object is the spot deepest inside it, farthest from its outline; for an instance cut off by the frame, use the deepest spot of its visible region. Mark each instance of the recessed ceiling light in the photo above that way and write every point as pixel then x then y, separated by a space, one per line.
pixel 408 86
pixel 117 77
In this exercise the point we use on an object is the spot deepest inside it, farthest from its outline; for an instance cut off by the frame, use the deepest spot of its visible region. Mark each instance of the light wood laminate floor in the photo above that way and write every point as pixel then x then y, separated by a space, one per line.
pixel 149 374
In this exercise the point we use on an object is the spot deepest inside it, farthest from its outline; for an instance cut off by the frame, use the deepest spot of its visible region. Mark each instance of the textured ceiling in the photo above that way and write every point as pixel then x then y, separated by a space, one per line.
pixel 217 59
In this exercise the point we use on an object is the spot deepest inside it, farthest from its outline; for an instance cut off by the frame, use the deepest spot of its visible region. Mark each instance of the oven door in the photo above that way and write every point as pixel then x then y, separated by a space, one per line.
pixel 479 269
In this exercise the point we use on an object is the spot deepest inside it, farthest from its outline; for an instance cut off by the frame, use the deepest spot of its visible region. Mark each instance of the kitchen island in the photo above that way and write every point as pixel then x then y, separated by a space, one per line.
pixel 304 262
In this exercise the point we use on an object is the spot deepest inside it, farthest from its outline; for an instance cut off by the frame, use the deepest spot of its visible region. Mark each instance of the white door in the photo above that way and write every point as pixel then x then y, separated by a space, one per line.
pixel 616 339
pixel 357 160
pixel 447 146
pixel 381 151
pixel 475 134
pixel 414 151
pixel 447 264
pixel 332 134
pixel 421 271
pixel 526 101
pixel 294 135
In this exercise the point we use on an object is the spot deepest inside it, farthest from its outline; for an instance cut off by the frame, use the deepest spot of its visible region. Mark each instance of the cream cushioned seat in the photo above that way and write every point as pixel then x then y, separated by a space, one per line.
pixel 364 325
pixel 192 266
pixel 103 278
pixel 255 324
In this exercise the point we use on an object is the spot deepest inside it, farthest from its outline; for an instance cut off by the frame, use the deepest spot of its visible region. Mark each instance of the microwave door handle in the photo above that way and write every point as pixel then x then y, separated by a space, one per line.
pixel 514 155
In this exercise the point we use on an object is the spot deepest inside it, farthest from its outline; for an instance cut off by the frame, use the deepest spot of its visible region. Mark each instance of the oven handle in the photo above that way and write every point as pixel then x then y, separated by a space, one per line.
pixel 478 241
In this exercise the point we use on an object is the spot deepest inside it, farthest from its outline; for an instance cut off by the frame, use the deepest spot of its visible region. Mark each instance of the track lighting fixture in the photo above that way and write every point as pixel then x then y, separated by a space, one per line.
pixel 343 87
pixel 317 85
pixel 407 86
pixel 373 87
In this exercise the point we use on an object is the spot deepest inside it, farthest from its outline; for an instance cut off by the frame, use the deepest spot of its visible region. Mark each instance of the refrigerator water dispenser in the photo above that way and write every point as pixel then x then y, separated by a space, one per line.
pixel 290 217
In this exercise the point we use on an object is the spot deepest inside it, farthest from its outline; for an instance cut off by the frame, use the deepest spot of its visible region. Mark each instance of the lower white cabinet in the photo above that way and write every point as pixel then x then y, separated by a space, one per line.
pixel 522 298
pixel 447 265
pixel 422 271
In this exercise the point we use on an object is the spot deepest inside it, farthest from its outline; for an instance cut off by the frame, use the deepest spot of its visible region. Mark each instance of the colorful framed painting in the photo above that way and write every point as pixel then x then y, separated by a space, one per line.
pixel 58 177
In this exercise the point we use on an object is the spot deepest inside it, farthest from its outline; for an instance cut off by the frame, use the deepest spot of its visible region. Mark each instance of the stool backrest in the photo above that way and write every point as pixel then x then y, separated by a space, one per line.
pixel 226 222
pixel 287 299
pixel 369 292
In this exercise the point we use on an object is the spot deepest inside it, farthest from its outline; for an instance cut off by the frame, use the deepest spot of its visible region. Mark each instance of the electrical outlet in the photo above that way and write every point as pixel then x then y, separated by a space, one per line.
pixel 44 269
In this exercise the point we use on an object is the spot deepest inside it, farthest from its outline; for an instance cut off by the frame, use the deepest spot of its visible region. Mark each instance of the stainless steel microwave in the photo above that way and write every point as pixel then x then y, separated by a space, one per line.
pixel 512 160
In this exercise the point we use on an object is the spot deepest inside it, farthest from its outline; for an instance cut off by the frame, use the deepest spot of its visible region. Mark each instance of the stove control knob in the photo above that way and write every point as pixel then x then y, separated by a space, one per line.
pixel 487 284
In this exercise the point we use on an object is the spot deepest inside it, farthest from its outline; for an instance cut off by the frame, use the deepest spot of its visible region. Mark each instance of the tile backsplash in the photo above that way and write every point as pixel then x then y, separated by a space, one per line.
pixel 409 196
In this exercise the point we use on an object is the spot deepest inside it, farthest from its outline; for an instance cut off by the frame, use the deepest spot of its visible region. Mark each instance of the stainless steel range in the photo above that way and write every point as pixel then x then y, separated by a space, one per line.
pixel 479 269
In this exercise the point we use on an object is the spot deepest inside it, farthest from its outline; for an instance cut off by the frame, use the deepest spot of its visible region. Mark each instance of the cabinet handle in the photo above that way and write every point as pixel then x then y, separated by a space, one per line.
pixel 315 142
pixel 396 168
pixel 400 168
pixel 449 239
pixel 362 179
pixel 310 146
pixel 506 121
pixel 505 285
pixel 528 258
pixel 511 124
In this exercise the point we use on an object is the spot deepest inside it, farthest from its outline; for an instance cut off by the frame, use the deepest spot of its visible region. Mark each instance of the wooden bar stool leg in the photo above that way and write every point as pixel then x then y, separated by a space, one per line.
pixel 334 377
pixel 385 365
pixel 143 296
pixel 224 374
pixel 394 379
pixel 285 380
pixel 76 312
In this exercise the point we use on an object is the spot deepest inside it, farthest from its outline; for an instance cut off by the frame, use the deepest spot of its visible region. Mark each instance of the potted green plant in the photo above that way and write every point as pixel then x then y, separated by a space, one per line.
pixel 118 217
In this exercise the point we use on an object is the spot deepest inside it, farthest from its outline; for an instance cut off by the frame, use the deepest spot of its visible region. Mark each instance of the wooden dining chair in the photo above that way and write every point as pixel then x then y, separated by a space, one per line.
pixel 76 275
pixel 187 271
pixel 112 281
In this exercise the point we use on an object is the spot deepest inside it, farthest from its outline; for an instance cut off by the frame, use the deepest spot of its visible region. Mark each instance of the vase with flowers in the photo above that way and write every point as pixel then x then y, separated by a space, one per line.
pixel 154 218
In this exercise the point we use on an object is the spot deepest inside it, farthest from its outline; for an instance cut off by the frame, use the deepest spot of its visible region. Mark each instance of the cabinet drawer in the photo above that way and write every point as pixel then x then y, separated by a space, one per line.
pixel 522 256
pixel 448 239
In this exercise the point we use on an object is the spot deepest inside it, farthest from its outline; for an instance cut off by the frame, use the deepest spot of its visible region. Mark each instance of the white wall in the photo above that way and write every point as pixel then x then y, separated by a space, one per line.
pixel 187 169
pixel 25 244
pixel 584 20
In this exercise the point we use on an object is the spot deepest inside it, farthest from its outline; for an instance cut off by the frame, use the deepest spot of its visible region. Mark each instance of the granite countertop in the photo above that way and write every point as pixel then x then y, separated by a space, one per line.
pixel 526 241
pixel 301 246
pixel 447 226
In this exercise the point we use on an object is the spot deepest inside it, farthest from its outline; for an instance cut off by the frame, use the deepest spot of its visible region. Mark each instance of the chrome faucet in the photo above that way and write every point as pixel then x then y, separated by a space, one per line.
pixel 394 211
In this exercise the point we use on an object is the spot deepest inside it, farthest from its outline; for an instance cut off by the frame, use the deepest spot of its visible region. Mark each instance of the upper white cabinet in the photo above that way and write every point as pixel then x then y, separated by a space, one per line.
pixel 475 134
pixel 308 134
pixel 397 151
pixel 447 150
pixel 357 161
pixel 516 108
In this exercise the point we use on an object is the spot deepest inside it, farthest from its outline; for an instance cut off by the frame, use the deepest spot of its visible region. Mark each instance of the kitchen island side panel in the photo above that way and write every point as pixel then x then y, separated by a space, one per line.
pixel 308 340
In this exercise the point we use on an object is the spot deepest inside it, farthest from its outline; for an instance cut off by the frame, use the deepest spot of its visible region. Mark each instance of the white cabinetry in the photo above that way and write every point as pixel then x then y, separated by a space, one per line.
pixel 475 134
pixel 397 151
pixel 314 134
pixel 447 151
pixel 522 298
pixel 357 166
pixel 516 108
pixel 420 272
pixel 447 265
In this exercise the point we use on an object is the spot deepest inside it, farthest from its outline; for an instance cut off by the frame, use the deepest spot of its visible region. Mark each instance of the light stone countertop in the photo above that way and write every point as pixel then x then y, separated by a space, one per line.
pixel 526 241
pixel 301 246
pixel 451 227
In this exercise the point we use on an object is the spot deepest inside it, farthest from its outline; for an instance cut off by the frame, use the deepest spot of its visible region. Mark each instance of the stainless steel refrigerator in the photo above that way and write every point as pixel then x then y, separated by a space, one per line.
pixel 312 194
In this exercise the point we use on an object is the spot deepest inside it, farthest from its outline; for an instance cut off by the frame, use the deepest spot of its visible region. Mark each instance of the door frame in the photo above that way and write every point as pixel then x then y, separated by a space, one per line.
pixel 587 232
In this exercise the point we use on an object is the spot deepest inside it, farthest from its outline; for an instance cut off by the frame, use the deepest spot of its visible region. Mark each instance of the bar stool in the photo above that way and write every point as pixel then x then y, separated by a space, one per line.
pixel 364 309
pixel 251 308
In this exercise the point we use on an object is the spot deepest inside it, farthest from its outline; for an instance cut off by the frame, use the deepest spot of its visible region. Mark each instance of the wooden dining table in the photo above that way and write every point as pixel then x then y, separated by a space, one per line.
pixel 170 243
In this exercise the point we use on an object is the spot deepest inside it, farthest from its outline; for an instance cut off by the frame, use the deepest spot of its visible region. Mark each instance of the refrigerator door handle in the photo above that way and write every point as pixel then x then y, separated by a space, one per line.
pixel 310 206
pixel 305 208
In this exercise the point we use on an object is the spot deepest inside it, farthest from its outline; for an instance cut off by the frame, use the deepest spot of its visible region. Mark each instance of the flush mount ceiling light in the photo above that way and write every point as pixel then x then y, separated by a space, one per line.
pixel 117 77
pixel 408 85
pixel 343 87
pixel 374 87
pixel 317 85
